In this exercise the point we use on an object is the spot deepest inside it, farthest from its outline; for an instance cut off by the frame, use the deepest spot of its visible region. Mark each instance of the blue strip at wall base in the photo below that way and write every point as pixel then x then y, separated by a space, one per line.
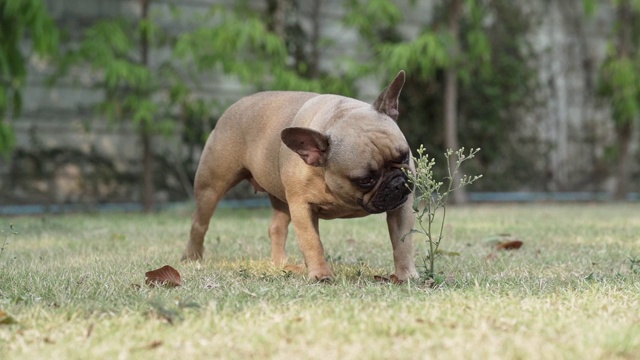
pixel 474 197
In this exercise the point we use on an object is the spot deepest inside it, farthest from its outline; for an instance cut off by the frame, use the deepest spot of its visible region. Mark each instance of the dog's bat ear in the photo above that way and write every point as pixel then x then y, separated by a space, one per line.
pixel 387 102
pixel 311 145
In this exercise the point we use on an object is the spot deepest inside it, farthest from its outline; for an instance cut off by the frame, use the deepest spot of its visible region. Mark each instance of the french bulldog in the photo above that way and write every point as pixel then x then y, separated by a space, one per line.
pixel 317 157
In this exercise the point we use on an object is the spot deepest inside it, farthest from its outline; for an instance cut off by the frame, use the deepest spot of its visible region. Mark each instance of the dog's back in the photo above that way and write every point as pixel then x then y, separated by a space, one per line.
pixel 247 136
pixel 269 111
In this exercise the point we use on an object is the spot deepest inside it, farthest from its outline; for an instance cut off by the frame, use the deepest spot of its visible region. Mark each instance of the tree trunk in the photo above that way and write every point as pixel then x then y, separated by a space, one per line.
pixel 148 189
pixel 314 69
pixel 623 174
pixel 451 97
pixel 277 10
pixel 148 203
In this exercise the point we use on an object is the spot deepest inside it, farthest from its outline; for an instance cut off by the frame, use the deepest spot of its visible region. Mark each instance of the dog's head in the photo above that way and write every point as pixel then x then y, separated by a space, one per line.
pixel 363 153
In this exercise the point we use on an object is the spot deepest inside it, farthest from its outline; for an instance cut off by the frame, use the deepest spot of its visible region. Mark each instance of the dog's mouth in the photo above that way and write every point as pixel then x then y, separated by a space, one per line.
pixel 389 195
pixel 374 210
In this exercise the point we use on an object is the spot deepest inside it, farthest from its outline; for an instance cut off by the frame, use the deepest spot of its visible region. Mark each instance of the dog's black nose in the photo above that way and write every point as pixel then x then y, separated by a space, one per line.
pixel 399 184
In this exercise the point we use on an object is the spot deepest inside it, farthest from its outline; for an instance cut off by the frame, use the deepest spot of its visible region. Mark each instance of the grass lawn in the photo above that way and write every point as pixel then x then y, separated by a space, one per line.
pixel 74 285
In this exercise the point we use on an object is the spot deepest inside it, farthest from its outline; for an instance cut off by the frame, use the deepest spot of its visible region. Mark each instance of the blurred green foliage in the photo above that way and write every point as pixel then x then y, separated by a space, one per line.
pixel 237 41
pixel 223 40
pixel 153 78
pixel 20 20
pixel 620 72
pixel 497 81
pixel 496 84
pixel 135 92
pixel 619 84
pixel 494 60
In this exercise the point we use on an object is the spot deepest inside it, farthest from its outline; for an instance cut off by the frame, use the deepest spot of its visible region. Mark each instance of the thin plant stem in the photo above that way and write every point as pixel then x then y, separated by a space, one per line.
pixel 6 239
pixel 434 200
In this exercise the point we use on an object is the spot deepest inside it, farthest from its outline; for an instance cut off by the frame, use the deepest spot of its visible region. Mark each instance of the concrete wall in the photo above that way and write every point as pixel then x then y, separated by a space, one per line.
pixel 572 120
pixel 59 124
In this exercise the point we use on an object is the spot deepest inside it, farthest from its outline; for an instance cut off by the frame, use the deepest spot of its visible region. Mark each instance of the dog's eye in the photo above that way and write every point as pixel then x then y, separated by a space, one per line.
pixel 365 182
pixel 403 159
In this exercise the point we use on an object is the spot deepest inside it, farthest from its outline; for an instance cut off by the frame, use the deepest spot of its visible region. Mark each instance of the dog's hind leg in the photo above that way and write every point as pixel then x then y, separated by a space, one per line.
pixel 278 230
pixel 206 201
pixel 216 174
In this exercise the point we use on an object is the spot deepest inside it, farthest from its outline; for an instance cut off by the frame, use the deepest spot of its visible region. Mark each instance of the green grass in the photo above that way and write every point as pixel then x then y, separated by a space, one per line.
pixel 75 286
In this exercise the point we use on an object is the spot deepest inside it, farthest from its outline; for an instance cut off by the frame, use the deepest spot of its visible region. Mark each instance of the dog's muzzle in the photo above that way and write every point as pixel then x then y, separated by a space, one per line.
pixel 391 194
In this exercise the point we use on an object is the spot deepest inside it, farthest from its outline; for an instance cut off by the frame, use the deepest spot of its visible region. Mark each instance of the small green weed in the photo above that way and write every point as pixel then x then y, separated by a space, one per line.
pixel 431 198
pixel 634 267
pixel 5 236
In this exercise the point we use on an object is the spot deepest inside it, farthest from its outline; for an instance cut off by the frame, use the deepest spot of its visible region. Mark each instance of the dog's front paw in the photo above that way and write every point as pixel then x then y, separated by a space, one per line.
pixel 404 275
pixel 321 275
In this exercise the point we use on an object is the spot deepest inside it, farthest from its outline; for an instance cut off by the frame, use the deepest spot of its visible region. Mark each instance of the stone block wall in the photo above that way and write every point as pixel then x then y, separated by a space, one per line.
pixel 67 153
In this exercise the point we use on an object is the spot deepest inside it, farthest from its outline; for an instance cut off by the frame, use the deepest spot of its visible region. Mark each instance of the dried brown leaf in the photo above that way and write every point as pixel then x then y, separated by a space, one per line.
pixel 154 344
pixel 165 276
pixel 379 278
pixel 392 279
pixel 89 331
pixel 509 245
pixel 6 319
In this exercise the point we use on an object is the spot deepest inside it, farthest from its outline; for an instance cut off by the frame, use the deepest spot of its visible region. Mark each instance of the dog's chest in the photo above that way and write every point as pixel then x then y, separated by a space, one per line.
pixel 331 210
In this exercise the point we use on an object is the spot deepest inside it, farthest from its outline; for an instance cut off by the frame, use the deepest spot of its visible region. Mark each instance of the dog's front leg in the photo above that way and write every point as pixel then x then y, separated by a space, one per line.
pixel 278 231
pixel 400 222
pixel 305 225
